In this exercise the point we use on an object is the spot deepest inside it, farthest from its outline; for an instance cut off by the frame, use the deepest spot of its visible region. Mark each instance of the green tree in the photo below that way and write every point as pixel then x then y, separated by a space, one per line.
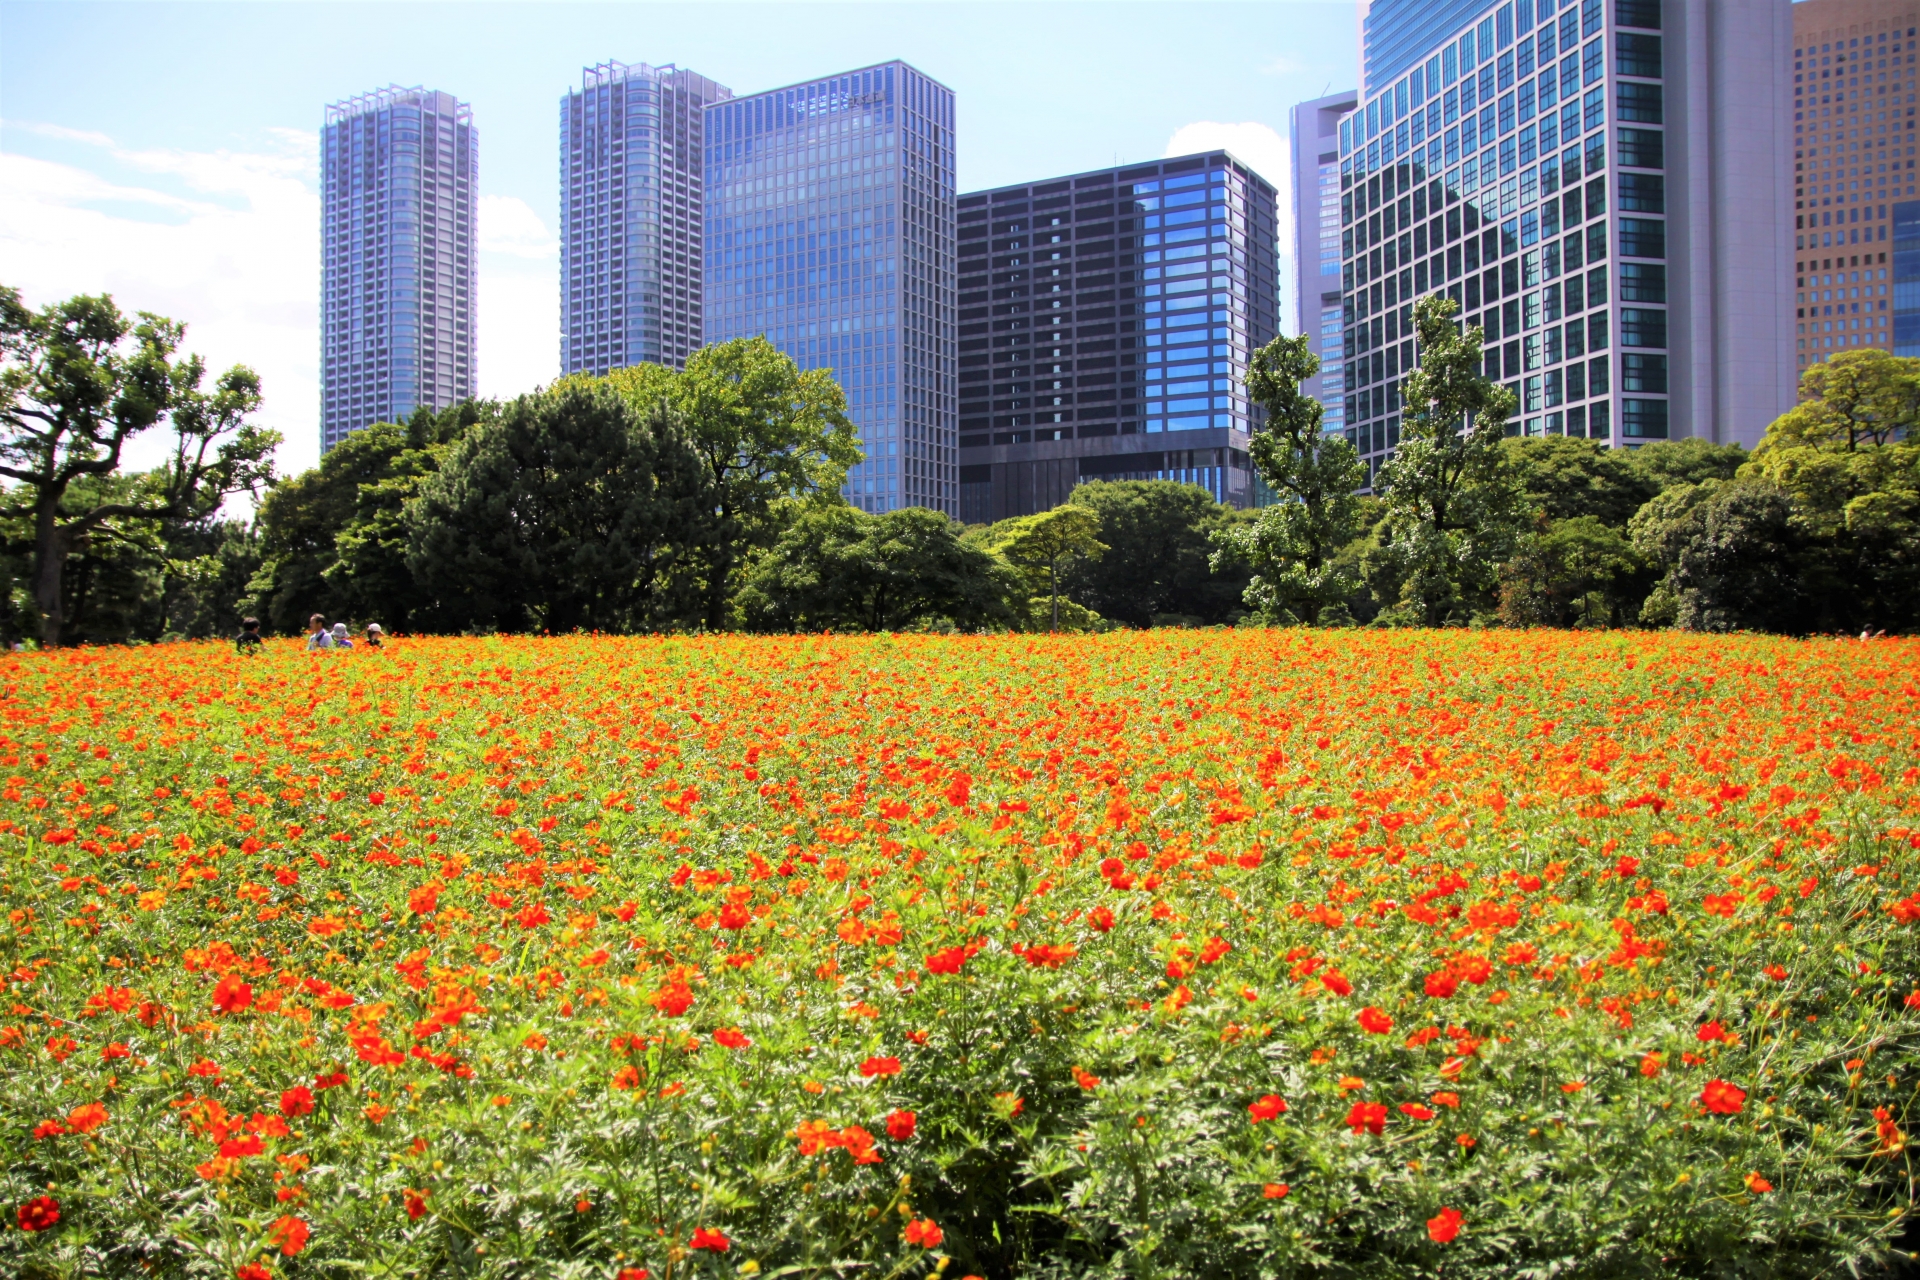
pixel 1159 534
pixel 766 432
pixel 1666 463
pixel 334 540
pixel 1729 556
pixel 1578 572
pixel 1453 508
pixel 1847 457
pixel 1293 546
pixel 569 509
pixel 78 382
pixel 836 568
pixel 1042 545
pixel 1564 478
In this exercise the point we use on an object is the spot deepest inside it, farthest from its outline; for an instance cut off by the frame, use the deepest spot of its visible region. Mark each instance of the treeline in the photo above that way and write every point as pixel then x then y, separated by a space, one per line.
pixel 708 499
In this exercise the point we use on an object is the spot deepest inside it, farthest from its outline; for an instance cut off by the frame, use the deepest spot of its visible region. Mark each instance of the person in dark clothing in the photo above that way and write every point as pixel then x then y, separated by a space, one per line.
pixel 248 641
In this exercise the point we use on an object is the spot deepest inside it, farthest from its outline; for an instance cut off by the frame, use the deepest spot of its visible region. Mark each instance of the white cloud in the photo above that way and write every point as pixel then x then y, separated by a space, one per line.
pixel 228 242
pixel 1260 146
pixel 509 225
pixel 236 257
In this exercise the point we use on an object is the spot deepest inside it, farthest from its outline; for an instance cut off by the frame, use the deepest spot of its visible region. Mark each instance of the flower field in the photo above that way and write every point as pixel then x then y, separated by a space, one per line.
pixel 1154 954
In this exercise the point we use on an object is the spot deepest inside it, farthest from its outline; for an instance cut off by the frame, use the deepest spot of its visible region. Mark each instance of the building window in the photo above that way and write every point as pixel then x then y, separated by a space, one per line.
pixel 1643 371
pixel 1638 55
pixel 1642 327
pixel 1642 193
pixel 1643 238
pixel 1643 419
pixel 1640 103
pixel 1643 148
pixel 1643 282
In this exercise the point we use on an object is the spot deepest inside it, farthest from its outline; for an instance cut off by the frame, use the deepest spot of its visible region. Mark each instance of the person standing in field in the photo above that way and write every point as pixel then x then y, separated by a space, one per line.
pixel 248 641
pixel 375 638
pixel 341 640
pixel 317 637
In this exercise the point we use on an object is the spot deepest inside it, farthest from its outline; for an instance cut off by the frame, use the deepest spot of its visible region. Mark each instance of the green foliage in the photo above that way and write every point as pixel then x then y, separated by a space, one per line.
pixel 1855 400
pixel 334 538
pixel 1041 546
pixel 1293 546
pixel 568 510
pixel 766 431
pixel 836 568
pixel 1453 508
pixel 1158 535
pixel 1577 572
pixel 1666 463
pixel 1562 478
pixel 1729 556
pixel 79 381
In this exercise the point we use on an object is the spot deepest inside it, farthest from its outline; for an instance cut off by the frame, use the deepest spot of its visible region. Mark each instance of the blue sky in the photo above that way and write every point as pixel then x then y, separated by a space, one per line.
pixel 164 151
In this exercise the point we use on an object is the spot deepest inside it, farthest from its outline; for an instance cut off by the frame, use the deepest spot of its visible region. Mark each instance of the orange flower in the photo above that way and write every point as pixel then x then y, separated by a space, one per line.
pixel 924 1233
pixel 87 1117
pixel 1444 1226
pixel 289 1235
pixel 1722 1098
pixel 731 1038
pixel 1085 1079
pixel 873 1067
pixel 1758 1185
pixel 231 995
pixel 297 1101
pixel 1368 1117
pixel 1275 1191
pixel 1266 1107
pixel 1375 1022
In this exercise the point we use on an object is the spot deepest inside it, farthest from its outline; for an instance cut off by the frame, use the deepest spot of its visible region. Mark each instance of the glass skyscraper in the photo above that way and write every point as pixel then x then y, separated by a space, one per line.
pixel 1603 194
pixel 398 174
pixel 631 214
pixel 830 229
pixel 1316 245
pixel 1106 322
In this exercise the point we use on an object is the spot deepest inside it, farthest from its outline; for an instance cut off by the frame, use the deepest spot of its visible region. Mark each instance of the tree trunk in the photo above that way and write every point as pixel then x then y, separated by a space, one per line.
pixel 49 564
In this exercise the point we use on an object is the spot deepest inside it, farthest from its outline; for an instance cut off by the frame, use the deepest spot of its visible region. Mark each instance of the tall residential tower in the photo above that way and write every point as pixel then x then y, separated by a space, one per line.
pixel 1601 184
pixel 1316 245
pixel 830 229
pixel 1106 321
pixel 1853 174
pixel 632 153
pixel 398 176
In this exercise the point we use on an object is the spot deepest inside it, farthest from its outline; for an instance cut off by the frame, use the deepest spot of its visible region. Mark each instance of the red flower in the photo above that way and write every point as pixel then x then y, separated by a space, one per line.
pixel 297 1101
pixel 1275 1190
pixel 1722 1098
pixel 731 1038
pixel 1269 1106
pixel 1368 1117
pixel 1445 1226
pixel 733 916
pixel 1651 1064
pixel 416 1202
pixel 289 1235
pixel 1417 1111
pixel 673 999
pixel 534 916
pixel 87 1117
pixel 1441 985
pixel 39 1214
pixel 1446 1100
pixel 949 961
pixel 1336 982
pixel 1100 918
pixel 231 995
pixel 1374 1021
pixel 1758 1185
pixel 924 1233
pixel 900 1125
pixel 880 1067
pixel 1085 1079
pixel 423 900
pixel 1712 1032
pixel 710 1238
pixel 254 1271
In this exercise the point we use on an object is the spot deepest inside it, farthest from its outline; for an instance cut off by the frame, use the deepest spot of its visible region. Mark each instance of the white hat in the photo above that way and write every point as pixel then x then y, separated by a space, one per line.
pixel 373 626
pixel 339 628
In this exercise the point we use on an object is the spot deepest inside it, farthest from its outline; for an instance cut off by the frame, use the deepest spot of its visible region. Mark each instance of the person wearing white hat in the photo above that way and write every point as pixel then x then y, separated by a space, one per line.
pixel 341 640
pixel 375 638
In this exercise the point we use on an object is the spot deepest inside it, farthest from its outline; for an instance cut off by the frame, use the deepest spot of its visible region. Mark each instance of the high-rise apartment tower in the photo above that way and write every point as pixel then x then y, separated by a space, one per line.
pixel 398 179
pixel 632 158
pixel 1853 174
pixel 1601 184
pixel 829 229
pixel 1106 321
pixel 1316 246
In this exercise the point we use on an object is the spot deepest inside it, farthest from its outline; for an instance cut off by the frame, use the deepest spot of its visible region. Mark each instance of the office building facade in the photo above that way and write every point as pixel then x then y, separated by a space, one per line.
pixel 632 261
pixel 1853 167
pixel 1315 138
pixel 830 229
pixel 398 183
pixel 1601 185
pixel 1106 321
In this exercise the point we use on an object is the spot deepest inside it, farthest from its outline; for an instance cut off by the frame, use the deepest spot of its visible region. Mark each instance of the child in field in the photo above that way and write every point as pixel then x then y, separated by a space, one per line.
pixel 248 641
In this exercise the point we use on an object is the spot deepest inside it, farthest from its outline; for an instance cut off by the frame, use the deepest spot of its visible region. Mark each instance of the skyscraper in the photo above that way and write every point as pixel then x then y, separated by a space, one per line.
pixel 1601 185
pixel 1106 321
pixel 1853 174
pixel 830 224
pixel 397 263
pixel 631 215
pixel 1316 245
